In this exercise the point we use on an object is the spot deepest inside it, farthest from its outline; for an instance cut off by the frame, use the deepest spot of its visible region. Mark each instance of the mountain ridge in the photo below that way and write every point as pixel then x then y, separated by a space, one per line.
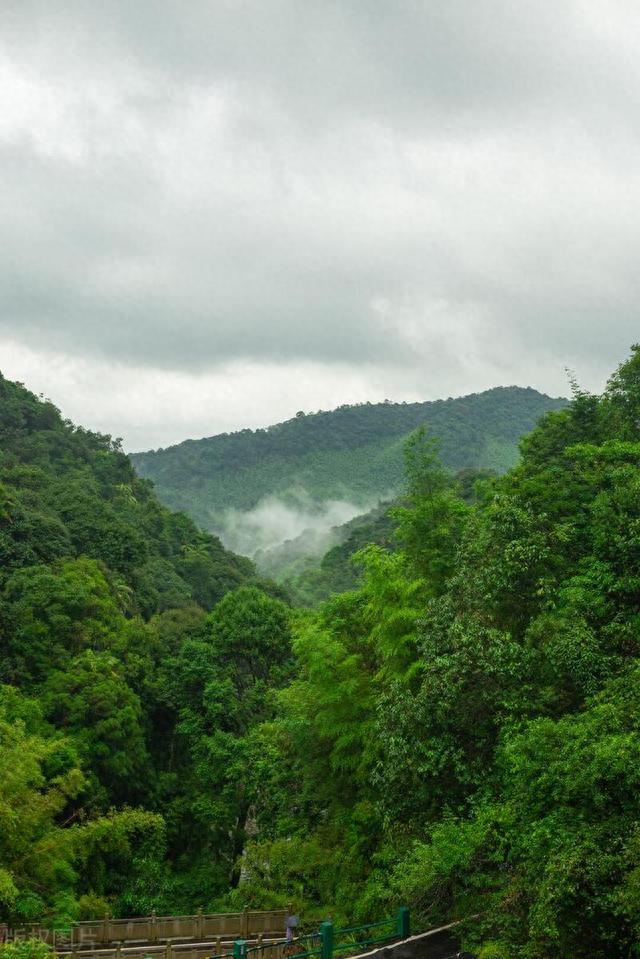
pixel 346 408
pixel 352 454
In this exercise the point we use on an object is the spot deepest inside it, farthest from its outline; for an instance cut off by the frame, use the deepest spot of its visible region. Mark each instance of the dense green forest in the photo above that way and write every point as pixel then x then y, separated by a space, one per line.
pixel 352 453
pixel 462 732
pixel 118 786
pixel 459 730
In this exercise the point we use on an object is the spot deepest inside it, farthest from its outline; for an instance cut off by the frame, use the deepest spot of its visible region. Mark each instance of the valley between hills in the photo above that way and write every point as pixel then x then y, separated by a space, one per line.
pixel 432 703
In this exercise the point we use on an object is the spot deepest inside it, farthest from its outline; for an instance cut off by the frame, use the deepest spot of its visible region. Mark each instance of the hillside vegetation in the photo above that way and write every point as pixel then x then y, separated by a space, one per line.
pixel 462 732
pixel 353 453
pixel 458 731
pixel 111 793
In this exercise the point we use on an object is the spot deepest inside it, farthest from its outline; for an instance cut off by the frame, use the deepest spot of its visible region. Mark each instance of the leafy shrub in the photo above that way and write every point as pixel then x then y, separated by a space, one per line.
pixel 26 949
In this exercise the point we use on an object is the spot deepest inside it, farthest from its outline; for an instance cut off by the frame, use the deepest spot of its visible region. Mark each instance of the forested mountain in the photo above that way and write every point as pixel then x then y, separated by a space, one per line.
pixel 114 788
pixel 459 731
pixel 353 453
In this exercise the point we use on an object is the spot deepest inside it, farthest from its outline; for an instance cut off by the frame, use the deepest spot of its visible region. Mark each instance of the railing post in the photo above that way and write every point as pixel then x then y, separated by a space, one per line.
pixel 244 923
pixel 239 949
pixel 199 925
pixel 326 940
pixel 403 923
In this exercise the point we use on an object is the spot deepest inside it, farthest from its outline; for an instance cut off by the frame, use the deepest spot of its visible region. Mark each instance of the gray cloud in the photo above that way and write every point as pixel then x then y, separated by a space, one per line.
pixel 437 195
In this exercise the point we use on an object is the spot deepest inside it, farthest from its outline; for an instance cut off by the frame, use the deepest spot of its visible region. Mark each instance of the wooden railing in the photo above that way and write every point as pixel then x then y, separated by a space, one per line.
pixel 167 950
pixel 202 929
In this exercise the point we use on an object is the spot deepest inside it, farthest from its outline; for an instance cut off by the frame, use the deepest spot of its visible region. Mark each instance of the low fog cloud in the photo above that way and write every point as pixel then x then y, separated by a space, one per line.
pixel 276 519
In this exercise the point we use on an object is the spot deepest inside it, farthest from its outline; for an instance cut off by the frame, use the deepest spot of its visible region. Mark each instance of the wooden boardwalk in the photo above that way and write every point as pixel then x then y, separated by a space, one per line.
pixel 180 937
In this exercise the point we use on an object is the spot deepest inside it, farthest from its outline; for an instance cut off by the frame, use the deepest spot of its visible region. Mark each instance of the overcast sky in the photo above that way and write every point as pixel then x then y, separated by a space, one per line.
pixel 213 214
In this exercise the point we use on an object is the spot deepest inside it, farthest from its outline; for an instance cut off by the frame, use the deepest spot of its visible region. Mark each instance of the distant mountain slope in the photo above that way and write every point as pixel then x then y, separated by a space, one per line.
pixel 351 454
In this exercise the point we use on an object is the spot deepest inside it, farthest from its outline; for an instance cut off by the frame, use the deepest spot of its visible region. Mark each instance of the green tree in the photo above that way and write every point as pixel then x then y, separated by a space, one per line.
pixel 91 700
pixel 47 852
pixel 221 685
pixel 432 517
pixel 51 613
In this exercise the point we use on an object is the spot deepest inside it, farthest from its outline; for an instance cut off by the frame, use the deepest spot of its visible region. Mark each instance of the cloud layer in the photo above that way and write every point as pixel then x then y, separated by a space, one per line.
pixel 340 198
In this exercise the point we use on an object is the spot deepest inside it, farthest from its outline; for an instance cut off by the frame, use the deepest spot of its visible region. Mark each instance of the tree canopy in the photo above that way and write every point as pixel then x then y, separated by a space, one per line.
pixel 102 591
pixel 456 728
pixel 462 730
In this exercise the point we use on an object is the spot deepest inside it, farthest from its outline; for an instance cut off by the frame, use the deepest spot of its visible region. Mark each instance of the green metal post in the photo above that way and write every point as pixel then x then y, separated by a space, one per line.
pixel 404 923
pixel 239 949
pixel 326 940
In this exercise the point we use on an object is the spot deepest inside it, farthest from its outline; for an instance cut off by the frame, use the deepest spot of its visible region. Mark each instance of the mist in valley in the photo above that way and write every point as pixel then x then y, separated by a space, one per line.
pixel 307 526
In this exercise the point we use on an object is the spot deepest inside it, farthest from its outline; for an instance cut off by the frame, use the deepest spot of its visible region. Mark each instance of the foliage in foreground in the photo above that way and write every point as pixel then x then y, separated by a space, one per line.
pixel 25 949
pixel 120 732
pixel 463 731
pixel 459 732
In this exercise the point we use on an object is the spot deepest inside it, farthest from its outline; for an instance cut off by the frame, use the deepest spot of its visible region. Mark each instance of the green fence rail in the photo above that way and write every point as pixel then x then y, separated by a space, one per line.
pixel 328 942
pixel 360 937
pixel 301 947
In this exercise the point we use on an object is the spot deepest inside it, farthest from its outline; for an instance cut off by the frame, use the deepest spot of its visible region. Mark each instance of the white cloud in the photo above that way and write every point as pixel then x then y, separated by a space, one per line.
pixel 275 520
